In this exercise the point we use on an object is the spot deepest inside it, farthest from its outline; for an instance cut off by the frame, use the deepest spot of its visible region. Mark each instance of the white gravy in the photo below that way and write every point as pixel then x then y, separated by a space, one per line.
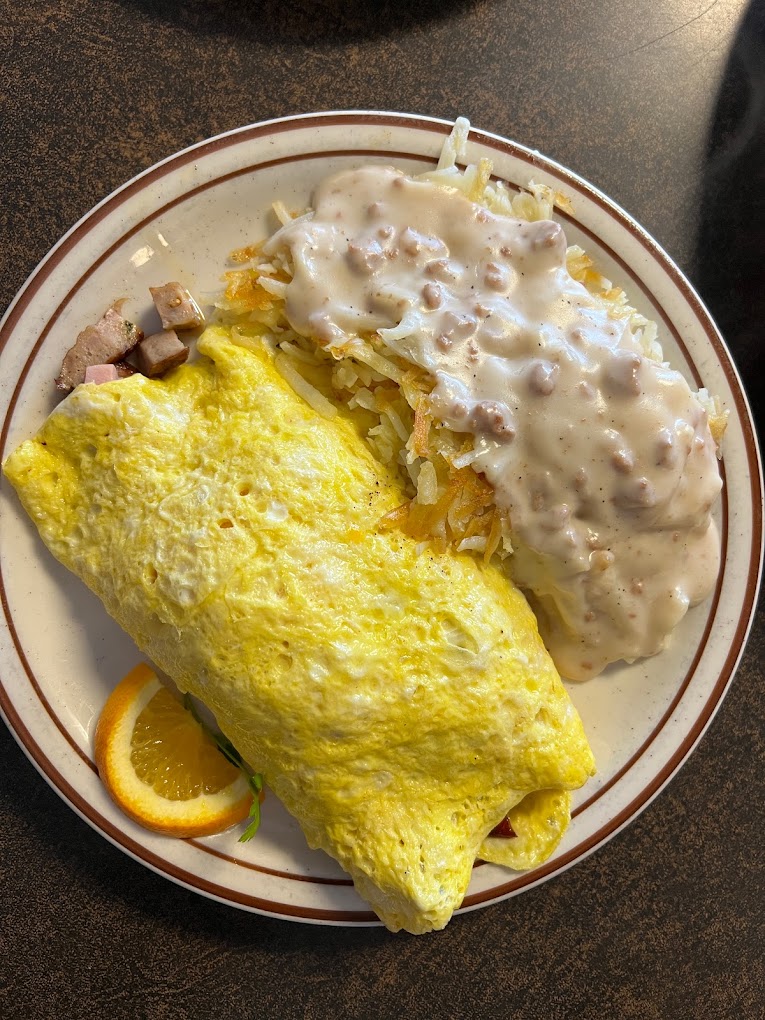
pixel 602 458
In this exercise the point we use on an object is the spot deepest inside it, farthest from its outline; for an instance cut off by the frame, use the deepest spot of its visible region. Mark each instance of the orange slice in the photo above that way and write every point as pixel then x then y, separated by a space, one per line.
pixel 161 767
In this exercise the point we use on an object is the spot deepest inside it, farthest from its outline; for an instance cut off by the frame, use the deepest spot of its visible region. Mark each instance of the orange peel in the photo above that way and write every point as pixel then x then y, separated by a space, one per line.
pixel 161 767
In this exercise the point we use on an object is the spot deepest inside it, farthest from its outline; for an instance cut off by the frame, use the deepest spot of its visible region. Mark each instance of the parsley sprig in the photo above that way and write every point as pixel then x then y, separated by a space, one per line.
pixel 230 753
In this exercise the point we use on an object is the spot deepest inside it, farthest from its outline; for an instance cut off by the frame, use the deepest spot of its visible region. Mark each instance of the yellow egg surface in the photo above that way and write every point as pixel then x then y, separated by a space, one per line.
pixel 399 704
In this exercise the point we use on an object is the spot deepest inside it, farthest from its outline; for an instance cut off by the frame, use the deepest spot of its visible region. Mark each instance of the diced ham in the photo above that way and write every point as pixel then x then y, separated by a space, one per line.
pixel 177 308
pixel 101 373
pixel 160 352
pixel 109 340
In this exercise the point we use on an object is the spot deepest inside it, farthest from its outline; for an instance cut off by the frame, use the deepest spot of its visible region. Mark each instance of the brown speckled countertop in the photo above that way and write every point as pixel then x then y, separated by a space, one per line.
pixel 663 107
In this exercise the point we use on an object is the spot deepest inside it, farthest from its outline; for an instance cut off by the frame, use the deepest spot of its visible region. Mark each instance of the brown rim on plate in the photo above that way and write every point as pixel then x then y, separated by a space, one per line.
pixel 56 256
pixel 140 225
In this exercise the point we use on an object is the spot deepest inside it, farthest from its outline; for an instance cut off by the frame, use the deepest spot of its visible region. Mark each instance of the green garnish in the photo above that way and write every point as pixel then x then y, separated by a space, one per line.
pixel 230 753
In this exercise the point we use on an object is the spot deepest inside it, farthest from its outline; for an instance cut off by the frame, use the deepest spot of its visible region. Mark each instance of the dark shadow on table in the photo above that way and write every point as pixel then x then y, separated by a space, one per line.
pixel 730 259
pixel 302 22
pixel 120 885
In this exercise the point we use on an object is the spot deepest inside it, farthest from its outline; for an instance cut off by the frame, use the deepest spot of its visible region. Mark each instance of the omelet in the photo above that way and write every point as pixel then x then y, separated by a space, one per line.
pixel 398 701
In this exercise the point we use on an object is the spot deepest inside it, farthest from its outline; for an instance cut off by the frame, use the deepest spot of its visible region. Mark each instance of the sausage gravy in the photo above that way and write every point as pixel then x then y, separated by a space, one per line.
pixel 602 457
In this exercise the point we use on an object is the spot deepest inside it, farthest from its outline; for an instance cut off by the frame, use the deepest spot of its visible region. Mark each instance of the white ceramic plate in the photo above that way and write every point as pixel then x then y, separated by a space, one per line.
pixel 60 654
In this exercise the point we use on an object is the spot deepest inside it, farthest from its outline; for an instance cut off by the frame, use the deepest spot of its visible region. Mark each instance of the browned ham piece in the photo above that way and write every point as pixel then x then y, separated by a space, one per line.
pixel 177 308
pixel 160 352
pixel 109 340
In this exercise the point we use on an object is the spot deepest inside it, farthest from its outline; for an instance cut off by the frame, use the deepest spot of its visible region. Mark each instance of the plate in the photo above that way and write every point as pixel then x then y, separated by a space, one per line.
pixel 180 219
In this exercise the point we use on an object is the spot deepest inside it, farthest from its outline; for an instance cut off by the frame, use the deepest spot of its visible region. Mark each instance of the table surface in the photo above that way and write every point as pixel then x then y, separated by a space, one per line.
pixel 662 106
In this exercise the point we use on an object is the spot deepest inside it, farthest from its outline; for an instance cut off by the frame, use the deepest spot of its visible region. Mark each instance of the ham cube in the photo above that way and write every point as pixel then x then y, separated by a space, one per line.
pixel 101 373
pixel 177 308
pixel 160 352
pixel 108 341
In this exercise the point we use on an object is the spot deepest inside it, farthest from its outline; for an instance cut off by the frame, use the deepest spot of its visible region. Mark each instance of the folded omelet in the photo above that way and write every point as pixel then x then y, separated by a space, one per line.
pixel 399 702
